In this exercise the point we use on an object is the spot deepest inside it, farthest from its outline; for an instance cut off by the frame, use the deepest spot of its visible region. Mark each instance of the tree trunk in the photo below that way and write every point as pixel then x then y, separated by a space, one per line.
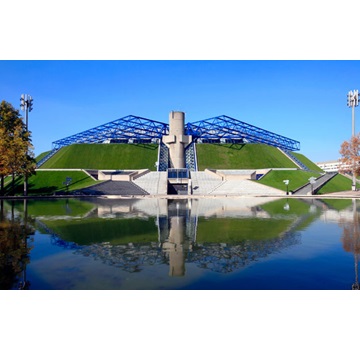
pixel 2 185
pixel 13 184
pixel 1 210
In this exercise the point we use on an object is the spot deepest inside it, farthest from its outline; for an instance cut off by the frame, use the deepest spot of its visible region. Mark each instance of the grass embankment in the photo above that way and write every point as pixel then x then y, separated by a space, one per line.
pixel 236 156
pixel 104 156
pixel 142 156
pixel 297 178
pixel 41 156
pixel 337 184
pixel 307 162
pixel 48 182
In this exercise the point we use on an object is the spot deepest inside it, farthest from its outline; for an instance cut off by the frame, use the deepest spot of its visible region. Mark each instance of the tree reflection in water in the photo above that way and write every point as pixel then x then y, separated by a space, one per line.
pixel 351 240
pixel 14 249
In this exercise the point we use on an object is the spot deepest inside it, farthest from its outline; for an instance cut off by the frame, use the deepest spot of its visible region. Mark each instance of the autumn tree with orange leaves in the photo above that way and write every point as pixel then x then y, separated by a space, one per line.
pixel 350 156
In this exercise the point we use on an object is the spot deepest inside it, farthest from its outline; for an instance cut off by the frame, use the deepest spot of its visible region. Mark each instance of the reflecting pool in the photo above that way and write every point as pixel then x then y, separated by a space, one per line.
pixel 213 243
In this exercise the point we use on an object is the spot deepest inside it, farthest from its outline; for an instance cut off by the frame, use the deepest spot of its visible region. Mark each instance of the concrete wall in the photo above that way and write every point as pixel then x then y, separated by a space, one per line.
pixel 176 140
pixel 121 175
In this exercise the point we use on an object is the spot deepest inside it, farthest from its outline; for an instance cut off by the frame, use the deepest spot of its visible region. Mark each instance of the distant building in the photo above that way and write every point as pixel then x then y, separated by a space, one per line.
pixel 330 166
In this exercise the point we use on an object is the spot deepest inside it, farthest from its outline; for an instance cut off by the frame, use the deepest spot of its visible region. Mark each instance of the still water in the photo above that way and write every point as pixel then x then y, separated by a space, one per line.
pixel 147 244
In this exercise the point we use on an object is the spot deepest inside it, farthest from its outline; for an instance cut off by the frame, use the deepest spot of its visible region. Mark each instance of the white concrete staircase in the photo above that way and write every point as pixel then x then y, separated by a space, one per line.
pixel 245 187
pixel 153 182
pixel 203 182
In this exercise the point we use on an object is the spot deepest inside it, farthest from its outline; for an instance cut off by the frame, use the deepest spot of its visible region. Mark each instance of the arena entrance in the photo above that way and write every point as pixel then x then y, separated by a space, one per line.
pixel 178 181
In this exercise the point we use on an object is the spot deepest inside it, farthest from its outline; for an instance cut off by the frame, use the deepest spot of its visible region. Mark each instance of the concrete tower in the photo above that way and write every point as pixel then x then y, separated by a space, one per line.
pixel 177 140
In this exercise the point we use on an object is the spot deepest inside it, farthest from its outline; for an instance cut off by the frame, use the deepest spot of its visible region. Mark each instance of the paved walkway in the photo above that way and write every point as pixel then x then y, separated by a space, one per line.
pixel 343 194
pixel 319 182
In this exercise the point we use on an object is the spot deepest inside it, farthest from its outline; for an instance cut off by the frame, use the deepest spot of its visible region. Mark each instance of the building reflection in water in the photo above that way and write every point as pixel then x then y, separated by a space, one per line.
pixel 177 231
pixel 181 239
pixel 177 243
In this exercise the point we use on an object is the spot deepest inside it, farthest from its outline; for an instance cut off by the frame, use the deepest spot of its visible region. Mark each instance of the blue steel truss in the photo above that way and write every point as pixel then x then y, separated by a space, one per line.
pixel 141 129
pixel 224 127
pixel 129 127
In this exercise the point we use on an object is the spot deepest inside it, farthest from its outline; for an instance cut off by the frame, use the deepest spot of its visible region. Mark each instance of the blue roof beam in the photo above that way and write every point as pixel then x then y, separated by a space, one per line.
pixel 126 127
pixel 230 128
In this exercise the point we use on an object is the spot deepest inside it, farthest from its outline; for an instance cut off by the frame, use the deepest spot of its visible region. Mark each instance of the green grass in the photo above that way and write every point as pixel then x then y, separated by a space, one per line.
pixel 297 178
pixel 236 156
pixel 307 162
pixel 338 183
pixel 48 182
pixel 41 156
pixel 104 156
pixel 142 156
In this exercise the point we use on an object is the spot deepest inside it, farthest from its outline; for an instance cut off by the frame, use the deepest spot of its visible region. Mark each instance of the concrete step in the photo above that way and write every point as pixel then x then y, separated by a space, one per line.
pixel 115 188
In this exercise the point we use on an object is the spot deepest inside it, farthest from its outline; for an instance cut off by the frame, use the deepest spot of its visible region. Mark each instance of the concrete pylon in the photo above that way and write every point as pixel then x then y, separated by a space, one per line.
pixel 177 140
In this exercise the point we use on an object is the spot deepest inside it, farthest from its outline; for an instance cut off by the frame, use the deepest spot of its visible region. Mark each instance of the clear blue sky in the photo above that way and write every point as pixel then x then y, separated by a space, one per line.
pixel 303 100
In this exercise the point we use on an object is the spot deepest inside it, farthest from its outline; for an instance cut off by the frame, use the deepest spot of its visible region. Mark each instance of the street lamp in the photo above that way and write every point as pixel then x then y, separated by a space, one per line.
pixel 26 104
pixel 286 182
pixel 353 101
pixel 312 181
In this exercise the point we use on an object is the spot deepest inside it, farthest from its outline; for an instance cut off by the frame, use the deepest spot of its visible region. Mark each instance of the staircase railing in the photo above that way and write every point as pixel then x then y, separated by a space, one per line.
pixel 190 157
pixel 163 157
pixel 294 159
pixel 47 157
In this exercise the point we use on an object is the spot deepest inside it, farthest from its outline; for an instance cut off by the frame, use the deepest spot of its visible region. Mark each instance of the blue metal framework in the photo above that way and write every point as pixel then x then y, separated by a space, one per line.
pixel 224 127
pixel 129 127
pixel 142 129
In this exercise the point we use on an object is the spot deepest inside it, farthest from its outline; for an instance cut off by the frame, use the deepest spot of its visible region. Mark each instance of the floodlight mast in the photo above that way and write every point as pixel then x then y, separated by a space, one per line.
pixel 353 101
pixel 26 104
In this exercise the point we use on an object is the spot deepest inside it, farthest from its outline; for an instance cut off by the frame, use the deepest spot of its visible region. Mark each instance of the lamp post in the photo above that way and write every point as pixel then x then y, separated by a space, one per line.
pixel 286 182
pixel 26 104
pixel 353 101
pixel 312 181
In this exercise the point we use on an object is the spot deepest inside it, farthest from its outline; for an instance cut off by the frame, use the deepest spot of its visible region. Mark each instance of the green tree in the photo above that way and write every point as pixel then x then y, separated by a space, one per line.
pixel 17 157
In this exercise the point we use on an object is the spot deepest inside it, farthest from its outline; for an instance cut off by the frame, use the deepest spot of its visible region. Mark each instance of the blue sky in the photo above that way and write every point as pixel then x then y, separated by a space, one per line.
pixel 303 100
